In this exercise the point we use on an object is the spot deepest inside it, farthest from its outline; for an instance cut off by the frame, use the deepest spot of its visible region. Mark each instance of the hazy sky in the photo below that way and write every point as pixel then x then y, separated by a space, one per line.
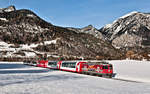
pixel 80 13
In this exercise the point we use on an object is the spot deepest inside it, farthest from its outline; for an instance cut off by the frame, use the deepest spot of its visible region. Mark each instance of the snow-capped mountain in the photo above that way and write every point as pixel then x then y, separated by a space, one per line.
pixel 130 30
pixel 25 35
pixel 90 30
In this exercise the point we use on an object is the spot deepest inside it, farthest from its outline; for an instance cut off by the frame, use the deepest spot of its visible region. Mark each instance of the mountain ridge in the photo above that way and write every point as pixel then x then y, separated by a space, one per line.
pixel 130 33
pixel 24 35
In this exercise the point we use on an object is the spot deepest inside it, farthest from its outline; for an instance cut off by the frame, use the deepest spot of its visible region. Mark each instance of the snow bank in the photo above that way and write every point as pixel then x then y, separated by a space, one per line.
pixel 3 62
pixel 30 54
pixel 3 19
pixel 50 42
pixel 4 44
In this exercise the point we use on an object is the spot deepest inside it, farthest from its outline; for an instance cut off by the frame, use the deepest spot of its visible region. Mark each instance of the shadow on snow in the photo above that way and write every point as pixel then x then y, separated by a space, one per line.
pixel 12 66
pixel 22 71
pixel 24 79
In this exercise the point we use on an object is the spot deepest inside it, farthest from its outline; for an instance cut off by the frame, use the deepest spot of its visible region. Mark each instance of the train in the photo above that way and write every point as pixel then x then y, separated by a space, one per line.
pixel 89 67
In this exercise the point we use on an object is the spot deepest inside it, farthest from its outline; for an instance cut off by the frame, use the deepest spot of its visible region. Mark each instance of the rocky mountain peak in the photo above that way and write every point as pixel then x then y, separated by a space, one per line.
pixel 90 29
pixel 120 18
pixel 130 30
pixel 8 9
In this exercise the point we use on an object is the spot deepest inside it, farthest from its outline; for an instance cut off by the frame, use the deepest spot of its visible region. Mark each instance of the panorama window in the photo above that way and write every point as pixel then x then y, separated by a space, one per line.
pixel 52 63
pixel 69 64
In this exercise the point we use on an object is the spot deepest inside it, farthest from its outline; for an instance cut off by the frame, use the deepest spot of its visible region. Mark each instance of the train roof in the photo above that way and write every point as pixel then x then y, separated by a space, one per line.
pixel 89 61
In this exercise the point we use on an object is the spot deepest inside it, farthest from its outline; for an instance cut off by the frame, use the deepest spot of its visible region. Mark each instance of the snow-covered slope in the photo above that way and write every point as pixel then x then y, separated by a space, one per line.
pixel 9 50
pixel 16 78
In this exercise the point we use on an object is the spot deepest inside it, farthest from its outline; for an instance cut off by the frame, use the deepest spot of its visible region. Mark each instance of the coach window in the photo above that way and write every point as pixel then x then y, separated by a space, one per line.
pixel 52 63
pixel 64 65
pixel 72 65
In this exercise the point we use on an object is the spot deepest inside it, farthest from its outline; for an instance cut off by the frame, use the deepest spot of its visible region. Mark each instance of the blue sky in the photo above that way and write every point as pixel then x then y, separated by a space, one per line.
pixel 80 13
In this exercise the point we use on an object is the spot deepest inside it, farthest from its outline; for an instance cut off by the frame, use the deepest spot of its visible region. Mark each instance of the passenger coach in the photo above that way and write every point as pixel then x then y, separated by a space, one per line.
pixel 42 63
pixel 72 66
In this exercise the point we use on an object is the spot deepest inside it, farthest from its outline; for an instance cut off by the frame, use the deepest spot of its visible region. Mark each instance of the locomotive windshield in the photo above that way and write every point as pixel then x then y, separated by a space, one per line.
pixel 110 67
pixel 105 67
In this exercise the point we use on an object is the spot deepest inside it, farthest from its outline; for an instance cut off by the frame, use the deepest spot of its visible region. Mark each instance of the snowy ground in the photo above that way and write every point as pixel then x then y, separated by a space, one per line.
pixel 16 78
pixel 132 70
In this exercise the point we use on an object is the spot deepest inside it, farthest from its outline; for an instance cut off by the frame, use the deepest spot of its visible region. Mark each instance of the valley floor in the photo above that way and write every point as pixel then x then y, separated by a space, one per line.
pixel 16 78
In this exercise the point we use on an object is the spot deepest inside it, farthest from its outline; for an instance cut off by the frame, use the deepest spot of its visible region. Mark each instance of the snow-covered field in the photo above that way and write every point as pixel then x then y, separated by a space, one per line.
pixel 132 70
pixel 16 78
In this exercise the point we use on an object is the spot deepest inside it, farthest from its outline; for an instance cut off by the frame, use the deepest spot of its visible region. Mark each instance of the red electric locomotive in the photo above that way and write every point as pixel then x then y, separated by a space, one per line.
pixel 99 68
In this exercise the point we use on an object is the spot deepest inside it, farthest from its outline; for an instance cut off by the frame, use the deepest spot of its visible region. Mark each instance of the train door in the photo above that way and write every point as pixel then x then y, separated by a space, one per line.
pixel 80 66
pixel 59 65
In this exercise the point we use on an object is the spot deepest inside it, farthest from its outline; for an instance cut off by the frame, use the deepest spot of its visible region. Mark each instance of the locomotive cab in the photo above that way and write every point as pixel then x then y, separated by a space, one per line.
pixel 99 68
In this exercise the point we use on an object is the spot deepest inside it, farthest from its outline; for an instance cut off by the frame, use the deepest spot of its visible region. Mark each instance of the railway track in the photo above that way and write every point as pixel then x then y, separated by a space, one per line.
pixel 125 80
